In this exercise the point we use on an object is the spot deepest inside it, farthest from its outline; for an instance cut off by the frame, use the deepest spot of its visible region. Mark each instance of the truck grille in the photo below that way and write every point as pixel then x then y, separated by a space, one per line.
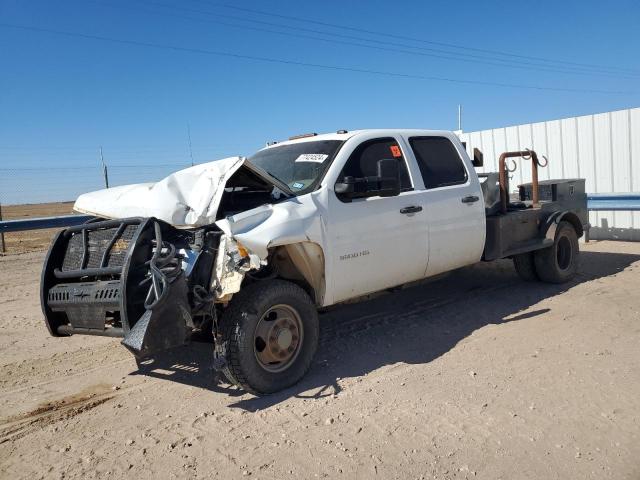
pixel 98 241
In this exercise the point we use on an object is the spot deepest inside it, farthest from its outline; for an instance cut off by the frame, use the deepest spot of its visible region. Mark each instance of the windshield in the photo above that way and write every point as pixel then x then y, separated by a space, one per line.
pixel 299 165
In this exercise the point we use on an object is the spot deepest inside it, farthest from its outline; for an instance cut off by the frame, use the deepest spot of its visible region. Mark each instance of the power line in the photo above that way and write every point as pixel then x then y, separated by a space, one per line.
pixel 49 169
pixel 429 42
pixel 382 45
pixel 280 61
pixel 132 148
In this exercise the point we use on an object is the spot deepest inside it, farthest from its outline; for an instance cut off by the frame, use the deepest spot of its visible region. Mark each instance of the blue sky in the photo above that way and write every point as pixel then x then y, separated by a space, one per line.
pixel 62 96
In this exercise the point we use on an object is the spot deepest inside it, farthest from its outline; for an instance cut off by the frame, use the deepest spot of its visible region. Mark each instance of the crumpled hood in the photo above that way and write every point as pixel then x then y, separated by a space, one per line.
pixel 187 198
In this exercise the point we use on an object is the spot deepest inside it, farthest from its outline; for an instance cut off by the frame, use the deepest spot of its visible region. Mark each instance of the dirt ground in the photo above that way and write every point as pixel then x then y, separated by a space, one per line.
pixel 474 375
pixel 32 240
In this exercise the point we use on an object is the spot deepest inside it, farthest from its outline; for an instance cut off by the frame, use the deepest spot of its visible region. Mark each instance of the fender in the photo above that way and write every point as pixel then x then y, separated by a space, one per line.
pixel 548 229
pixel 289 234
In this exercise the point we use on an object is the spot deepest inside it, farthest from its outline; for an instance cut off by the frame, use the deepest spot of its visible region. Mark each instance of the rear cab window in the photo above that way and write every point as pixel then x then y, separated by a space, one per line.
pixel 439 162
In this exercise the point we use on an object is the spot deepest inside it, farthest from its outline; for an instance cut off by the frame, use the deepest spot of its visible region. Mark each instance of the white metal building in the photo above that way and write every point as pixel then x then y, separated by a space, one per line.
pixel 603 148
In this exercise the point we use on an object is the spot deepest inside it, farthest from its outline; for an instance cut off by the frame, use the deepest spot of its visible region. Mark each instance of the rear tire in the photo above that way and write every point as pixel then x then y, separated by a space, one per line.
pixel 269 336
pixel 559 263
pixel 525 266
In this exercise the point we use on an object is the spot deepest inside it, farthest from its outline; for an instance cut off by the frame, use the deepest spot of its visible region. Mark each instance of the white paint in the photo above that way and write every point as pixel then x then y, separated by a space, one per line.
pixel 368 245
pixel 189 197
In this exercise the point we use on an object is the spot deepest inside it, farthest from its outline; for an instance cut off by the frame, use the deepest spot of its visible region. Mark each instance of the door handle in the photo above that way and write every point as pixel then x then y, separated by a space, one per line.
pixel 470 199
pixel 412 209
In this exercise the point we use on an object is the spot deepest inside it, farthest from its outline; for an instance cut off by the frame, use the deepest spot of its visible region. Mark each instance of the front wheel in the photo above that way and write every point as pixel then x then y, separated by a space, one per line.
pixel 269 336
pixel 559 262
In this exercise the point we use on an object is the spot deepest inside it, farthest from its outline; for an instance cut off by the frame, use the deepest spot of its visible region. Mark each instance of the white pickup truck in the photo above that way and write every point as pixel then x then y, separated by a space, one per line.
pixel 248 249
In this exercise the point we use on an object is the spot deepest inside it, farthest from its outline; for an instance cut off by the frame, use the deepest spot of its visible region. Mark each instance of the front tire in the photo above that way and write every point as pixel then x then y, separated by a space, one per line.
pixel 269 336
pixel 559 263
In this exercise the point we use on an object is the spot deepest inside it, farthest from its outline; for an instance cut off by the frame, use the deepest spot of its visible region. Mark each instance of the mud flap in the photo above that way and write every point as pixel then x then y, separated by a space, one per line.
pixel 166 325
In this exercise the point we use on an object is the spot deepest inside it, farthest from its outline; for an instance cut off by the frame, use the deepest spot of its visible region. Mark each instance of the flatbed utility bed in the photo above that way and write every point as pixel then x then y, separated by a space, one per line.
pixel 525 222
pixel 525 226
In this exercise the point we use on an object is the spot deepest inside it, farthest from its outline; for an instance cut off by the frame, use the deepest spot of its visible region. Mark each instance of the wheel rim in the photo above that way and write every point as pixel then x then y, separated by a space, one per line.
pixel 278 338
pixel 563 253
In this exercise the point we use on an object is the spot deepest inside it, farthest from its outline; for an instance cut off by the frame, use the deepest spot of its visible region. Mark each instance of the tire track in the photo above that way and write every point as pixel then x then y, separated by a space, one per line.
pixel 341 328
pixel 64 409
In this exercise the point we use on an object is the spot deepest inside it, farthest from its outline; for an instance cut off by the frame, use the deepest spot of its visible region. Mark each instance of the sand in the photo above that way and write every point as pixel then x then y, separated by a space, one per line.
pixel 473 375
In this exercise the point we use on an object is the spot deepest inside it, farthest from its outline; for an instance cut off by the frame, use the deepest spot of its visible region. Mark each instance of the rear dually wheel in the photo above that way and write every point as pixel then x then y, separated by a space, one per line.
pixel 559 262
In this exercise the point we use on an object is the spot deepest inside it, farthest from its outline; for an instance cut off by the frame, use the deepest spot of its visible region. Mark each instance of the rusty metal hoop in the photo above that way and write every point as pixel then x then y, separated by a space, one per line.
pixel 526 154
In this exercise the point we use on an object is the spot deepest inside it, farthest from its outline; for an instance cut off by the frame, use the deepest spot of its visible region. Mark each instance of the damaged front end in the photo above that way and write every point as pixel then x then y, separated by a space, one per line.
pixel 150 272
pixel 140 279
pixel 161 260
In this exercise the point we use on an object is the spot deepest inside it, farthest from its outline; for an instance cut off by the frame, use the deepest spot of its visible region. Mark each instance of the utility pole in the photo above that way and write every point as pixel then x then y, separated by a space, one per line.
pixel 105 173
pixel 189 137
pixel 2 246
pixel 460 117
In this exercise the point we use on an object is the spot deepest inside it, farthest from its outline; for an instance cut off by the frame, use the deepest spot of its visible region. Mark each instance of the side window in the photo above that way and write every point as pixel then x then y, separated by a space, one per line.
pixel 363 162
pixel 439 161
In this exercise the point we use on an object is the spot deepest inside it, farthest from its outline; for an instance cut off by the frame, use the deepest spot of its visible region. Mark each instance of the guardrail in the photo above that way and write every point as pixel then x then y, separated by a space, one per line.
pixel 613 201
pixel 25 224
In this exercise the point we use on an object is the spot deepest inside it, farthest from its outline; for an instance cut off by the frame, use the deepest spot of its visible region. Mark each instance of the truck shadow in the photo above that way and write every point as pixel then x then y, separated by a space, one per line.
pixel 414 325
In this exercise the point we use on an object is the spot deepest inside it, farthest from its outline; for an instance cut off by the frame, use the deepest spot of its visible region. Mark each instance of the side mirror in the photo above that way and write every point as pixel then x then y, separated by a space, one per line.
pixel 478 158
pixel 385 184
pixel 346 188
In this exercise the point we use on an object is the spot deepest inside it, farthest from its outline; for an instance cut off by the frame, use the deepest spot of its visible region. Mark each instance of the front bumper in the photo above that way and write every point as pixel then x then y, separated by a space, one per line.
pixel 97 280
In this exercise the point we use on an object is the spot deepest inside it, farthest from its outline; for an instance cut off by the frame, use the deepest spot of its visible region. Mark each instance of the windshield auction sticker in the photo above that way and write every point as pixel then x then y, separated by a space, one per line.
pixel 312 157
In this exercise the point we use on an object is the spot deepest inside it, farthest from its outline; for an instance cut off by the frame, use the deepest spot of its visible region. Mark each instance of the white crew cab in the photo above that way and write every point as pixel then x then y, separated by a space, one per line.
pixel 250 248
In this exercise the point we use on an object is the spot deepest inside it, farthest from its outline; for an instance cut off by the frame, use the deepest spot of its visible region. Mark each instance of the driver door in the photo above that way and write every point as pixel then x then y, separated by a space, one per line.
pixel 377 242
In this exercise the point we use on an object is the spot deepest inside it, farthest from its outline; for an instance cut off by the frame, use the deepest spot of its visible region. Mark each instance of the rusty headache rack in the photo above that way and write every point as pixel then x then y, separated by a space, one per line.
pixel 504 178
